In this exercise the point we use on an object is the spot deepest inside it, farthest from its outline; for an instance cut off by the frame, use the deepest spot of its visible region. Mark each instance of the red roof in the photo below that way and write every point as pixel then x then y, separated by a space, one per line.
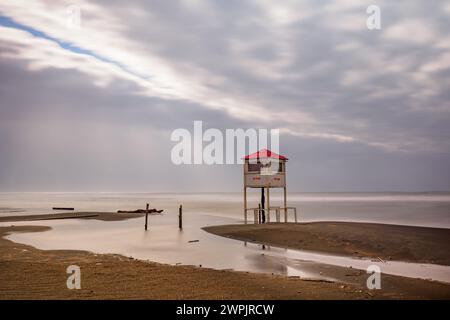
pixel 265 154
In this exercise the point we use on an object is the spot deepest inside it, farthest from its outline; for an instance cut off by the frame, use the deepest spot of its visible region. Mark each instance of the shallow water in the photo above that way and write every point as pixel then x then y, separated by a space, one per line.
pixel 421 209
pixel 165 243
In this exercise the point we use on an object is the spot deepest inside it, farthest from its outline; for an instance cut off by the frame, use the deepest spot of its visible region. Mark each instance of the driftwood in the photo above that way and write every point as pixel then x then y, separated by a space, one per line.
pixel 140 211
pixel 62 208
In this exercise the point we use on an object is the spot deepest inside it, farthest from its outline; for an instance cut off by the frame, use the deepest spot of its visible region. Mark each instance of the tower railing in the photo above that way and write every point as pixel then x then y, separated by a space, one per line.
pixel 267 212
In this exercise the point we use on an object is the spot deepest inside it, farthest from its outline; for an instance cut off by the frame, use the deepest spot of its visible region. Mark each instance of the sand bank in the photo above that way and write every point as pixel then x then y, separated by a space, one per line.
pixel 104 216
pixel 369 240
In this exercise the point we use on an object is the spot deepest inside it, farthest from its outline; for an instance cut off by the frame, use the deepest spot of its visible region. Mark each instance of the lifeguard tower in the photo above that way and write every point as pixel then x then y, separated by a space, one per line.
pixel 265 170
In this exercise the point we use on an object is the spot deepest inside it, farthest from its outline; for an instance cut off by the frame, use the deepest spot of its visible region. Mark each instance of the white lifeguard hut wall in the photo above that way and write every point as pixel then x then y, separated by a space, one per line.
pixel 266 169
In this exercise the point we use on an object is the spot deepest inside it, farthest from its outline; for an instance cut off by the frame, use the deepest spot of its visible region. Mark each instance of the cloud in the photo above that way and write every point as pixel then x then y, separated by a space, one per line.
pixel 412 30
pixel 442 62
pixel 313 70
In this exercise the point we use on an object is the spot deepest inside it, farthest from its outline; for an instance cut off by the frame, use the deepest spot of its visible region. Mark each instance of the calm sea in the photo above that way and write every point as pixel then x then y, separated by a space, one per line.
pixel 423 209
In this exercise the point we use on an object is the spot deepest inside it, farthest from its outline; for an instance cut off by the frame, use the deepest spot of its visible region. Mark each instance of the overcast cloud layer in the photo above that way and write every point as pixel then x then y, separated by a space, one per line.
pixel 92 108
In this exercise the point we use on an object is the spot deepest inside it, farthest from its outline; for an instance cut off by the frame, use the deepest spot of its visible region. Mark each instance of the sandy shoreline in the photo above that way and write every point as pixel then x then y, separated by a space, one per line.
pixel 368 240
pixel 103 216
pixel 30 273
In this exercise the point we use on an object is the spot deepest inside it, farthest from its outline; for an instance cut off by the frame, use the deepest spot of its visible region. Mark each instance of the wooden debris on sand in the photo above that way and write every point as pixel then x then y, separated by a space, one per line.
pixel 140 211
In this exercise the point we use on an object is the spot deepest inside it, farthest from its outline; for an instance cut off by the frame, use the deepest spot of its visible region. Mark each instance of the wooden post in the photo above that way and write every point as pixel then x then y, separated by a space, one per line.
pixel 180 217
pixel 263 205
pixel 146 216
pixel 259 213
pixel 245 196
pixel 245 203
pixel 285 203
pixel 268 204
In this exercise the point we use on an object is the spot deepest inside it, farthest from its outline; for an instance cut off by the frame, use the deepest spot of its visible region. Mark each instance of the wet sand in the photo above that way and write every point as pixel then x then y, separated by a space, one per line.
pixel 29 273
pixel 369 240
pixel 103 216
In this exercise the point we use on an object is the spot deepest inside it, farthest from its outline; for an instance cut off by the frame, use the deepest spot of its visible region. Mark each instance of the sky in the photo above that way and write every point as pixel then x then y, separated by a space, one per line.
pixel 90 104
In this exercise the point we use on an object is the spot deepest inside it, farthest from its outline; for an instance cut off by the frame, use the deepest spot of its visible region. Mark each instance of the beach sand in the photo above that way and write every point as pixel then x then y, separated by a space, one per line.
pixel 103 216
pixel 29 273
pixel 369 240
